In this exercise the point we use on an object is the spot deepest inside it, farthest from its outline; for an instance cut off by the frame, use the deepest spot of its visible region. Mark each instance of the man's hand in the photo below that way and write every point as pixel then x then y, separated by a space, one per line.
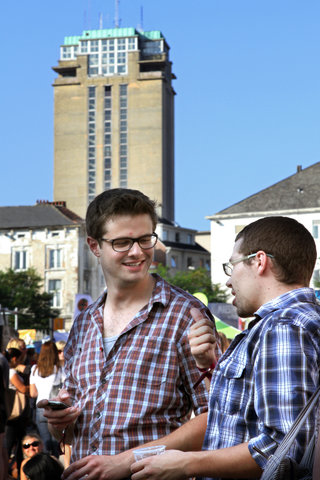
pixel 100 467
pixel 60 419
pixel 202 340
pixel 167 466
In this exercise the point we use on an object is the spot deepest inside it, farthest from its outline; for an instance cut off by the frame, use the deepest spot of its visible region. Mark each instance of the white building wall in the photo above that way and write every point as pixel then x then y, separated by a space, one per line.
pixel 224 231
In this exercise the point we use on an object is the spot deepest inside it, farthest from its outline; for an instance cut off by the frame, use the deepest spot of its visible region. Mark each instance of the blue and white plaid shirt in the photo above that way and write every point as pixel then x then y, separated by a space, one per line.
pixel 266 377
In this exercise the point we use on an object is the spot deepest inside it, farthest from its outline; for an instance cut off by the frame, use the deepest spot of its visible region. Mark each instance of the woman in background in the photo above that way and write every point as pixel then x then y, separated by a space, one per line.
pixel 31 445
pixel 44 377
pixel 16 428
pixel 60 344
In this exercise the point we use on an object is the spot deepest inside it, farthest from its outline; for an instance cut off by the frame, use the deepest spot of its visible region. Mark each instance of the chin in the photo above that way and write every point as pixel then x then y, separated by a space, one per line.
pixel 244 313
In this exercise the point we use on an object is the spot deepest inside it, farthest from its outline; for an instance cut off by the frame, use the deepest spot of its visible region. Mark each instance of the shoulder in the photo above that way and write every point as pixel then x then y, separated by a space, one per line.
pixel 12 372
pixel 34 370
pixel 298 307
pixel 173 294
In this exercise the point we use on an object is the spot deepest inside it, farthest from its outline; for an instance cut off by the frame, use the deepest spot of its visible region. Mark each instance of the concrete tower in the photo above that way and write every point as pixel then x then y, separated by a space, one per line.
pixel 114 117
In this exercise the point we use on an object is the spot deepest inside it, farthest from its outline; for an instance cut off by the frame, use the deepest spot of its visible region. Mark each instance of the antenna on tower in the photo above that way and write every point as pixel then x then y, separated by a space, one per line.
pixel 100 21
pixel 89 15
pixel 116 14
pixel 141 17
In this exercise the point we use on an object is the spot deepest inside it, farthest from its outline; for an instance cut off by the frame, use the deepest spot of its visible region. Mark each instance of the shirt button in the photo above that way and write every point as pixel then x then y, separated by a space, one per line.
pixel 104 381
pixel 98 414
pixel 94 448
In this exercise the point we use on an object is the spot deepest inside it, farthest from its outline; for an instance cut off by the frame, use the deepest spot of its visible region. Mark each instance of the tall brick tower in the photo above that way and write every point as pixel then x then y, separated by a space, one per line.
pixel 114 117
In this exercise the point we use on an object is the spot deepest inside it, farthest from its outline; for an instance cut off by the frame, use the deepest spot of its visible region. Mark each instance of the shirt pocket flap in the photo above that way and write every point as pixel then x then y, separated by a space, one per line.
pixel 232 369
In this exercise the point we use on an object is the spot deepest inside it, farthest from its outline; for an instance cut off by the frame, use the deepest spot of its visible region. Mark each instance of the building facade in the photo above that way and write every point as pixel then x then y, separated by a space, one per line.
pixel 114 117
pixel 180 250
pixel 297 196
pixel 52 240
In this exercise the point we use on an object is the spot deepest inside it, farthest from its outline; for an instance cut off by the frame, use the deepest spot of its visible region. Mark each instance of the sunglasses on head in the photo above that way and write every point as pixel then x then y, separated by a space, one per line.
pixel 36 443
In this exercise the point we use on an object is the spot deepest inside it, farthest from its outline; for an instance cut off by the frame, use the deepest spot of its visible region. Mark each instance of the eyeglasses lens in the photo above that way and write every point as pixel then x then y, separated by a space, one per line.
pixel 124 244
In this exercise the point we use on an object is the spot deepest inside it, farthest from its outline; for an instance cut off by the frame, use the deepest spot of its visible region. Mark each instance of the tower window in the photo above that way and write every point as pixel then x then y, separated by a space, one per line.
pixel 107 136
pixel 123 94
pixel 91 143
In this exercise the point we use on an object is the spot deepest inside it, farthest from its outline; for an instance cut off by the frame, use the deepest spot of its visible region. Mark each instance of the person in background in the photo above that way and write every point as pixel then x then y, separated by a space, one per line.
pixel 44 376
pixel 224 341
pixel 16 428
pixel 43 466
pixel 31 445
pixel 129 368
pixel 270 370
pixel 4 385
pixel 24 369
pixel 19 343
pixel 32 355
pixel 60 344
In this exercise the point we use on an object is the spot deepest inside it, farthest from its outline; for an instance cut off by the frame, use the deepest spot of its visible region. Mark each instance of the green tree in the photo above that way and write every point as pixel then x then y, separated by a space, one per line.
pixel 22 290
pixel 197 280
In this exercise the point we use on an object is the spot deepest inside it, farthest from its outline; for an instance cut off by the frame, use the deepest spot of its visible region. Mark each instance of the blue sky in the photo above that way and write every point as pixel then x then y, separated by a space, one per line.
pixel 247 104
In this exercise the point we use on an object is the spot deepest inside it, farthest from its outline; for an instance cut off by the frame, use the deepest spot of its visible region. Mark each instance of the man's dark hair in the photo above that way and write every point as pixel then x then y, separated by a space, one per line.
pixel 290 243
pixel 43 467
pixel 114 202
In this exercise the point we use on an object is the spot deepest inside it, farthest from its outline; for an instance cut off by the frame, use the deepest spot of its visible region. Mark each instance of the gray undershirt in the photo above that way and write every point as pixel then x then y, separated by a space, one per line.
pixel 108 343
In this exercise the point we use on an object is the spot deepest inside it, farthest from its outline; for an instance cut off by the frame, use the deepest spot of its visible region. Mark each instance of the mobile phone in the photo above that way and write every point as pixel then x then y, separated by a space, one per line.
pixel 55 405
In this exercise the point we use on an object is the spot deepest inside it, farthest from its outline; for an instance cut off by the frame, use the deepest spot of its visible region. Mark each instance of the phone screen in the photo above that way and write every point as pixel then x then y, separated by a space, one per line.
pixel 55 405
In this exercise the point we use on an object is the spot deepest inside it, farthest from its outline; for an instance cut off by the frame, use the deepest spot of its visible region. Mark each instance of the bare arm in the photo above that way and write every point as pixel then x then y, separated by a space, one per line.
pixel 233 462
pixel 187 437
pixel 20 386
pixel 22 474
pixel 33 390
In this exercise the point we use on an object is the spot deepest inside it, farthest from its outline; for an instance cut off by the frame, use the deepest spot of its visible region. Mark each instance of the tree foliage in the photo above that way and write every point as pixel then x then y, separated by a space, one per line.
pixel 197 280
pixel 23 290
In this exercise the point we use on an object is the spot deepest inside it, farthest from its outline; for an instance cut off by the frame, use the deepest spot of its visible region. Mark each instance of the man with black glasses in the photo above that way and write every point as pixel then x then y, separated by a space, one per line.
pixel 129 369
pixel 270 370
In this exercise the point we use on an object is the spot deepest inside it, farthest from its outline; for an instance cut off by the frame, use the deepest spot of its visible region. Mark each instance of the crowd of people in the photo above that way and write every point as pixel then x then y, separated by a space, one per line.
pixel 27 377
pixel 146 355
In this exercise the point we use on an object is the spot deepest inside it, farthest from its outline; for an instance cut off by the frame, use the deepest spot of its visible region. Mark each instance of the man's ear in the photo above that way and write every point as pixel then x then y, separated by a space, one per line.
pixel 262 260
pixel 94 246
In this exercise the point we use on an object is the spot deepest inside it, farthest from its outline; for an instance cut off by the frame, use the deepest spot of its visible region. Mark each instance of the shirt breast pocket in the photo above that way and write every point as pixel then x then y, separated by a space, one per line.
pixel 235 394
pixel 150 366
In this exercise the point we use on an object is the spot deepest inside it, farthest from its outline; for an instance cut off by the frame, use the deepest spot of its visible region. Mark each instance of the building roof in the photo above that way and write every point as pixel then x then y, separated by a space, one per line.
pixel 40 215
pixel 299 191
pixel 185 246
pixel 111 33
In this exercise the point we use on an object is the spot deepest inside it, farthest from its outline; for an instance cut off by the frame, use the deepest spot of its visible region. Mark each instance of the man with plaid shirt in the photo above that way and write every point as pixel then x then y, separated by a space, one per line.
pixel 269 371
pixel 129 368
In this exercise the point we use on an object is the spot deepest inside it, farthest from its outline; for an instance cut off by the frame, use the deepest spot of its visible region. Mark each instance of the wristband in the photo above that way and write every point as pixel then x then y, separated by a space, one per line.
pixel 206 373
pixel 207 369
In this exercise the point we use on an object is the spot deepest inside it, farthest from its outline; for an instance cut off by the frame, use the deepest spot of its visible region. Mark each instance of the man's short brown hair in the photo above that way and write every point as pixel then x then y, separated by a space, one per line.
pixel 114 202
pixel 290 243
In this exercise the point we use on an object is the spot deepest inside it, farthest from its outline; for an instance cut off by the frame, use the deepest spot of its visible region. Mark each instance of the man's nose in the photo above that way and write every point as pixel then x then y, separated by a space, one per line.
pixel 228 283
pixel 135 249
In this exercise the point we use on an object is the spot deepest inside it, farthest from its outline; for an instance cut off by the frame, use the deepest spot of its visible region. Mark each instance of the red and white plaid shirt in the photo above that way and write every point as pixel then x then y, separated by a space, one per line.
pixel 143 389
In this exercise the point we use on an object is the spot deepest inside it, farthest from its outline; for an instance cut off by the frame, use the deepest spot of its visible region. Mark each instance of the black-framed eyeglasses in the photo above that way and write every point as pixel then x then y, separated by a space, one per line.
pixel 36 443
pixel 228 266
pixel 124 244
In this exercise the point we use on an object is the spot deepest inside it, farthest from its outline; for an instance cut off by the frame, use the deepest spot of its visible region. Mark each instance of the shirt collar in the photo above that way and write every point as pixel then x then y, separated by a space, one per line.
pixel 305 295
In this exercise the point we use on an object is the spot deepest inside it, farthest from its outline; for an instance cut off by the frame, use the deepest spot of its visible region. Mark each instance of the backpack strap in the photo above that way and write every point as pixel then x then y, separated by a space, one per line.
pixel 274 460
